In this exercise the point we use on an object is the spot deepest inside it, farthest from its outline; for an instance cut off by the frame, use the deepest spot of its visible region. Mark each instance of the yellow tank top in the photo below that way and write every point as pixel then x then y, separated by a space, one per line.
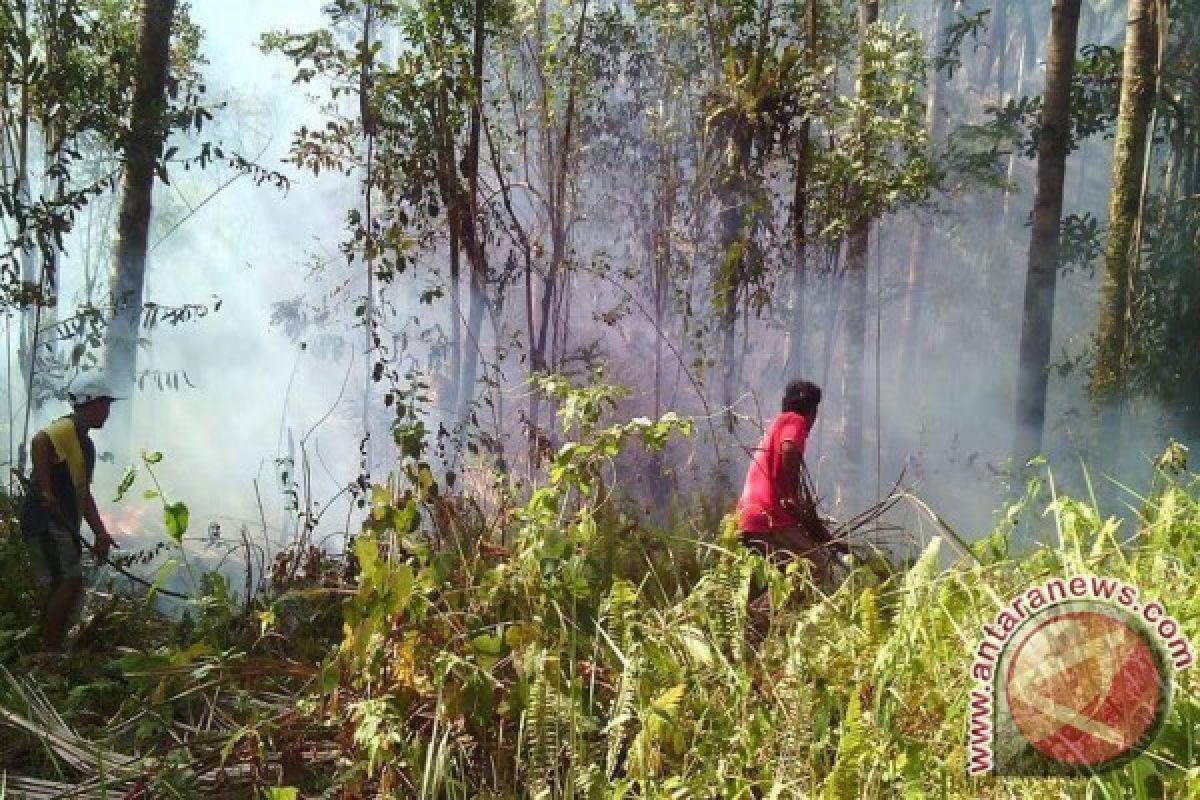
pixel 67 448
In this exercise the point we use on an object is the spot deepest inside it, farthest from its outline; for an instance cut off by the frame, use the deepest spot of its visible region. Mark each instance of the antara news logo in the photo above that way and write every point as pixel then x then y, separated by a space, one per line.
pixel 1073 677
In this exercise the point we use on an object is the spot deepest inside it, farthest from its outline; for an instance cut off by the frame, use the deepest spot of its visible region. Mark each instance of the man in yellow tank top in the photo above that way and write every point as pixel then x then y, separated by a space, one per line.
pixel 60 498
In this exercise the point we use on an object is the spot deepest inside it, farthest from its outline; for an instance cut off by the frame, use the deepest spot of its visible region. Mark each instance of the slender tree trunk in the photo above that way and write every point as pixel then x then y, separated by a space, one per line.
pixel 537 325
pixel 857 249
pixel 454 372
pixel 795 356
pixel 53 175
pixel 474 347
pixel 731 196
pixel 1027 44
pixel 476 252
pixel 659 313
pixel 30 283
pixel 145 143
pixel 664 221
pixel 918 254
pixel 1042 272
pixel 450 191
pixel 854 372
pixel 1129 157
pixel 1006 42
pixel 365 89
pixel 994 53
pixel 558 142
pixel 49 294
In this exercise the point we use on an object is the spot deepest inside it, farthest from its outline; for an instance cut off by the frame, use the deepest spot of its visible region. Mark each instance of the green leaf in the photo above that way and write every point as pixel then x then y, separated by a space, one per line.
pixel 125 483
pixel 152 458
pixel 488 644
pixel 175 516
pixel 407 518
pixel 281 793
pixel 366 550
pixel 518 635
pixel 164 572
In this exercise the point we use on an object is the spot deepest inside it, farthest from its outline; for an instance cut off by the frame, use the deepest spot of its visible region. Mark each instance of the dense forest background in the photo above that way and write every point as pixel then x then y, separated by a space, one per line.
pixel 372 267
pixel 698 202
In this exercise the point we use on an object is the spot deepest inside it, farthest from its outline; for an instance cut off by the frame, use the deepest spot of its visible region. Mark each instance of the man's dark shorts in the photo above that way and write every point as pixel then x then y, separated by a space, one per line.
pixel 54 555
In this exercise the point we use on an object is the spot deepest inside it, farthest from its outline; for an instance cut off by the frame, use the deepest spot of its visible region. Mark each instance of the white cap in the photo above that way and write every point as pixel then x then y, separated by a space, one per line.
pixel 89 386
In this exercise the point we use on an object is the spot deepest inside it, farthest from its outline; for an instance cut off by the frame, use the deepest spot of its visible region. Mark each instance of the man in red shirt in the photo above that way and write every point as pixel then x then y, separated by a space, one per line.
pixel 768 519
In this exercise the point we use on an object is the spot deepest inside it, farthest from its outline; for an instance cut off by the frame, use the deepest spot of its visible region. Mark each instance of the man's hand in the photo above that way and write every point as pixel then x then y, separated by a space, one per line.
pixel 104 542
pixel 840 546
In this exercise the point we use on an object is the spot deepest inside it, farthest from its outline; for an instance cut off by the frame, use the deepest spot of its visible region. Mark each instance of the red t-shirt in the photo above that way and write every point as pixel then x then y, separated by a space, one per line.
pixel 759 510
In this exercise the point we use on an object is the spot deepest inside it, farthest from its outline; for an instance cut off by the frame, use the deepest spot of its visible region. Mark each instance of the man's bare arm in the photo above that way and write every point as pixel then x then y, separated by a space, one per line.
pixel 94 520
pixel 792 471
pixel 791 465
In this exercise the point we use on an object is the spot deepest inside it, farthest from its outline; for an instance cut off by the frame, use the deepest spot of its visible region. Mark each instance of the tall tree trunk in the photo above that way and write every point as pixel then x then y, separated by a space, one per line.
pixel 994 52
pixel 918 254
pixel 39 361
pixel 54 175
pixel 145 143
pixel 473 349
pixel 1041 277
pixel 557 146
pixel 30 283
pixel 735 144
pixel 857 248
pixel 365 88
pixel 1006 41
pixel 472 354
pixel 1027 45
pixel 450 191
pixel 1129 159
pixel 795 356
pixel 454 368
pixel 661 257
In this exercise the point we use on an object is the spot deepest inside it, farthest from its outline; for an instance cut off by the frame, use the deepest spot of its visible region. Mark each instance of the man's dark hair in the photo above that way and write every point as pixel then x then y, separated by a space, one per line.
pixel 802 397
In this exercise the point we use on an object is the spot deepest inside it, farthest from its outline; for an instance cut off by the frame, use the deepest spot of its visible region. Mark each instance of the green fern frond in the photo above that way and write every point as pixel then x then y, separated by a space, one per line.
pixel 624 708
pixel 845 780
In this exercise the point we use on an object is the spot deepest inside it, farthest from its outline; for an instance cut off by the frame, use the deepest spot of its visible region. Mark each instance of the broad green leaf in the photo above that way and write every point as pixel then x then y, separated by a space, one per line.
pixel 519 635
pixel 366 549
pixel 488 644
pixel 175 515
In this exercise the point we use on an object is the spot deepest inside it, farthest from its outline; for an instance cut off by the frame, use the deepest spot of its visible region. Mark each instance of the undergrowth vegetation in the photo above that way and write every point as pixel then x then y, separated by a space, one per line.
pixel 560 646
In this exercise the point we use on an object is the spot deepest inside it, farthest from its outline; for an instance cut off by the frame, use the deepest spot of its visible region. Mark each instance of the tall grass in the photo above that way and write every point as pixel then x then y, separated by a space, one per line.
pixel 565 649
